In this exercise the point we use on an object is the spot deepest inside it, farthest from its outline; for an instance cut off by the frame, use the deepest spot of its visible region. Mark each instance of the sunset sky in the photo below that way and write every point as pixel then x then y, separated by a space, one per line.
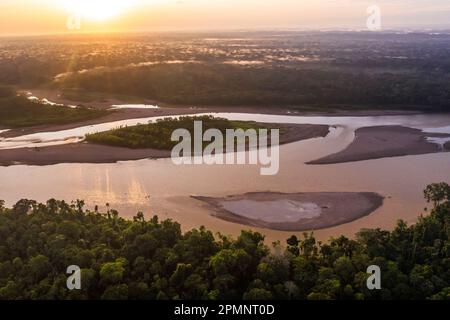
pixel 51 16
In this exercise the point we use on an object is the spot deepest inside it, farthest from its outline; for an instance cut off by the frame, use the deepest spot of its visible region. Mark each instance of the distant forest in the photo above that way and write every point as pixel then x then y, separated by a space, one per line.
pixel 152 259
pixel 299 70
pixel 18 111
pixel 217 85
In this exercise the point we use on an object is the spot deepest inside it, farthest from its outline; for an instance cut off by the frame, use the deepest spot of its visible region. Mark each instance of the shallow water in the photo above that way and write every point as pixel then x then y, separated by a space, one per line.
pixel 134 106
pixel 432 123
pixel 438 140
pixel 41 139
pixel 160 187
pixel 48 102
pixel 288 210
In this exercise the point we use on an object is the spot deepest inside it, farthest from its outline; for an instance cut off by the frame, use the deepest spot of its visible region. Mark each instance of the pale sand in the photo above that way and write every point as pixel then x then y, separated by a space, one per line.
pixel 95 153
pixel 294 211
pixel 383 142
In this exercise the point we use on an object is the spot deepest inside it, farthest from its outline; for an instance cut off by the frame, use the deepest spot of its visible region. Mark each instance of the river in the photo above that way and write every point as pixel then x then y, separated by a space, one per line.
pixel 162 188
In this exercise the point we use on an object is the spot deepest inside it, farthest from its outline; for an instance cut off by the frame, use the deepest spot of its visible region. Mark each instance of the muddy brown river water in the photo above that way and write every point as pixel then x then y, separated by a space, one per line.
pixel 162 188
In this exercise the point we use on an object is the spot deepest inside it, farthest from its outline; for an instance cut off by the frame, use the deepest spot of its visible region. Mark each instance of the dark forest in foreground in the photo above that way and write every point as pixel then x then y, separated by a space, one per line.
pixel 139 259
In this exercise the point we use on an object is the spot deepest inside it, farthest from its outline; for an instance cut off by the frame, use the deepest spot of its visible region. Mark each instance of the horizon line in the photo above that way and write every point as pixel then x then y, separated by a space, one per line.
pixel 226 30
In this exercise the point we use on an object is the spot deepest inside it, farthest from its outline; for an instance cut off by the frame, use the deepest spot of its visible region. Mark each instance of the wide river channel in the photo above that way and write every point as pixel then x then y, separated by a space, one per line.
pixel 162 188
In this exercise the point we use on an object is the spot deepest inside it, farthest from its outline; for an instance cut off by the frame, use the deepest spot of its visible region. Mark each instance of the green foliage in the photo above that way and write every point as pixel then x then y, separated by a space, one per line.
pixel 306 70
pixel 18 111
pixel 437 193
pixel 158 135
pixel 112 272
pixel 218 84
pixel 152 259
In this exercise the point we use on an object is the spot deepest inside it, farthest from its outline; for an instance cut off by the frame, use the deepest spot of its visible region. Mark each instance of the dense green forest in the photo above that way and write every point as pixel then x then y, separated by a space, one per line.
pixel 157 135
pixel 216 84
pixel 152 259
pixel 303 70
pixel 18 111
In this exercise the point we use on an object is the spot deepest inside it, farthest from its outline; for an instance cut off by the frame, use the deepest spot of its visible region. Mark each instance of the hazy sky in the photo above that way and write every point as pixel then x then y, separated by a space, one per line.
pixel 51 16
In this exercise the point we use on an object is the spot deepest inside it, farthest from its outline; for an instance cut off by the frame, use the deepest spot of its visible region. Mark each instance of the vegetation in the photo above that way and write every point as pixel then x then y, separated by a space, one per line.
pixel 216 84
pixel 139 259
pixel 158 135
pixel 304 70
pixel 18 111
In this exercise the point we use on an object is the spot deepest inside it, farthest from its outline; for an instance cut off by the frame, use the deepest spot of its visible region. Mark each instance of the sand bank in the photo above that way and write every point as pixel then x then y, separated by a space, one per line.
pixel 293 211
pixel 75 153
pixel 382 142
pixel 95 153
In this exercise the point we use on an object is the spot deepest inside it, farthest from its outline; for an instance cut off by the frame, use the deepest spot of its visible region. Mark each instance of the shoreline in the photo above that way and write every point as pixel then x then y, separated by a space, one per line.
pixel 176 110
pixel 126 114
pixel 332 209
pixel 117 115
pixel 84 152
pixel 385 142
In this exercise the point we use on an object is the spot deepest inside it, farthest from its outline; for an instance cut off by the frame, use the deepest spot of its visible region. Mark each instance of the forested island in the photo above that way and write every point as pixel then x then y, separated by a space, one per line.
pixel 153 259
pixel 158 135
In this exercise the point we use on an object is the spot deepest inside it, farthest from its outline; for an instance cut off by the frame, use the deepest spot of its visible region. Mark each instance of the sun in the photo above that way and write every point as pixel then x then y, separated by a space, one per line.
pixel 97 10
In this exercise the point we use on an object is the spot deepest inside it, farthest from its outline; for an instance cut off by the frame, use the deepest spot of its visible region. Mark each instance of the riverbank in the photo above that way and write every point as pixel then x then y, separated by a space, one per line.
pixel 159 187
pixel 105 101
pixel 174 110
pixel 96 153
pixel 117 115
pixel 383 142
pixel 295 211
pixel 125 114
pixel 20 112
